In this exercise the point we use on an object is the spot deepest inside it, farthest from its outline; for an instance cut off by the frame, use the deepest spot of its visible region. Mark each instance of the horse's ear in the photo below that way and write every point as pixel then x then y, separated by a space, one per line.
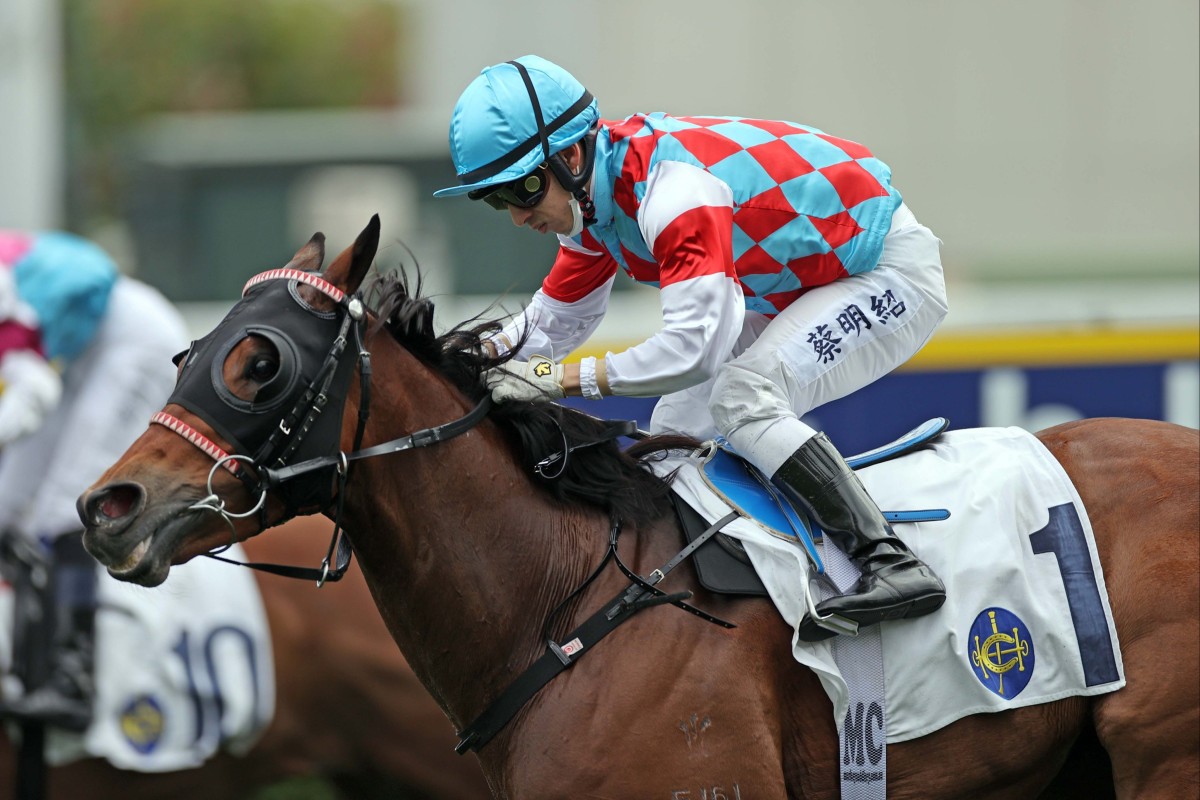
pixel 350 267
pixel 310 257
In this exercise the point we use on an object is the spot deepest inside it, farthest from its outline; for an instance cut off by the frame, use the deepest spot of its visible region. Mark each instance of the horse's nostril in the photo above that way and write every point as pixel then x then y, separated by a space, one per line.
pixel 117 502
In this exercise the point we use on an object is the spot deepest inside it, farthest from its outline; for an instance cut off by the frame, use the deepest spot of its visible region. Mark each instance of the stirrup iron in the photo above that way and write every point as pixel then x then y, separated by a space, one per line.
pixel 835 623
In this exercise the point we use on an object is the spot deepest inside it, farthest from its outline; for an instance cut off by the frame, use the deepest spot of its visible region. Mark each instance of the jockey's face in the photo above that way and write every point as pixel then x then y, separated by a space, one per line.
pixel 553 213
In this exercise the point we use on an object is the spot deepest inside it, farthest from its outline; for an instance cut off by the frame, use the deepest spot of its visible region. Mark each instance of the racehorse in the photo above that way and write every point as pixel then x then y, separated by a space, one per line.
pixel 473 538
pixel 348 709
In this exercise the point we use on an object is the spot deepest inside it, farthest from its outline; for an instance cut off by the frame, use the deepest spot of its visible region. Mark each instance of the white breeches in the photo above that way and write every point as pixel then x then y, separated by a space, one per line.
pixel 831 342
pixel 109 393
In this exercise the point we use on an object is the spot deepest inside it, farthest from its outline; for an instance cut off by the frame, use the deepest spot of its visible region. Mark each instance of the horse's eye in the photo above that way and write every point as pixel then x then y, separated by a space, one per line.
pixel 262 369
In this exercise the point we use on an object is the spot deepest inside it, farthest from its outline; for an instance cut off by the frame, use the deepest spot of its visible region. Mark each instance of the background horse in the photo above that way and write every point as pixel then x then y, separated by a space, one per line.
pixel 467 552
pixel 348 708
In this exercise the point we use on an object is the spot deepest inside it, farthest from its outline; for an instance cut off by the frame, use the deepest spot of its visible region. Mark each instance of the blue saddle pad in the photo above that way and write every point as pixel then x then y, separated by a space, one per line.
pixel 753 493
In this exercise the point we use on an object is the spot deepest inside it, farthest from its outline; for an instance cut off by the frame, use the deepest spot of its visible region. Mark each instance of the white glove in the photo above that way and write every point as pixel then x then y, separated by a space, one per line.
pixel 31 388
pixel 539 378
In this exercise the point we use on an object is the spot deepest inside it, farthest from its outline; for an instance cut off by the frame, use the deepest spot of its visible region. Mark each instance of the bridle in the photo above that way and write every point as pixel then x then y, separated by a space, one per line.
pixel 298 460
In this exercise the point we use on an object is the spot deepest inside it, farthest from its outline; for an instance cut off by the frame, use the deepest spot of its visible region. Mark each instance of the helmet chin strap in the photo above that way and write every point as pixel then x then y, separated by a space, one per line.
pixel 576 219
pixel 576 182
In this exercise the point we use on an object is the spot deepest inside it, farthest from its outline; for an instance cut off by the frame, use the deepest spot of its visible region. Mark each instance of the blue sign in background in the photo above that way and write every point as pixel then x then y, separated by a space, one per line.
pixel 1029 397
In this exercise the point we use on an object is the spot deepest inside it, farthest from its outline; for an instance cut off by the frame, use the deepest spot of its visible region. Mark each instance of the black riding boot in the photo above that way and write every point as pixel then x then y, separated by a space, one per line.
pixel 64 698
pixel 895 584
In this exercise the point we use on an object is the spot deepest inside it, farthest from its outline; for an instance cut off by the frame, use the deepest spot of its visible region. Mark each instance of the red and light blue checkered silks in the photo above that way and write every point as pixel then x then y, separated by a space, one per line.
pixel 808 208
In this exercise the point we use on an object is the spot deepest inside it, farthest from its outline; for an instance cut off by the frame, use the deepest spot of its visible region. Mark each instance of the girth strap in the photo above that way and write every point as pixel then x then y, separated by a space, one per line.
pixel 558 658
pixel 692 547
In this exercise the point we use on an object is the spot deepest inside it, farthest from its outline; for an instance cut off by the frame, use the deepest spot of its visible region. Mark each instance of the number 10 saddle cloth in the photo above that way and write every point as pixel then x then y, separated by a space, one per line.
pixel 182 670
pixel 1027 618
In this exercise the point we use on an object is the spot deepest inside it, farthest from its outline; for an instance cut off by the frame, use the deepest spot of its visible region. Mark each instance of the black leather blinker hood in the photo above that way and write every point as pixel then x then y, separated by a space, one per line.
pixel 263 428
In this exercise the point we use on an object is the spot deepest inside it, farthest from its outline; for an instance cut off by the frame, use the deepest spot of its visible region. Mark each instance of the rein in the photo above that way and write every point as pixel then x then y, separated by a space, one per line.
pixel 270 479
pixel 422 438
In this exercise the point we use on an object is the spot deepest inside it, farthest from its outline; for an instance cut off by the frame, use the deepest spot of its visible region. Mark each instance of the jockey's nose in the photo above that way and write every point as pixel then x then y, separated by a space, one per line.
pixel 519 215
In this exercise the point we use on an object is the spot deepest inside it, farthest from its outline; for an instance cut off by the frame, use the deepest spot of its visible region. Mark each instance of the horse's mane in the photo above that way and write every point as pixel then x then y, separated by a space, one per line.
pixel 600 475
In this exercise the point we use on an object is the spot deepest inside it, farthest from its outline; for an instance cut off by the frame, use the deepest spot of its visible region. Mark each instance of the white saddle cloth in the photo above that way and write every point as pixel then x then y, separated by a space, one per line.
pixel 1008 635
pixel 182 670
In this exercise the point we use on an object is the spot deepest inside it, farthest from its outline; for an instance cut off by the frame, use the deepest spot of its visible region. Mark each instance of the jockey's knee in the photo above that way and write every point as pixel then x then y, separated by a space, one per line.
pixel 748 391
pixel 754 405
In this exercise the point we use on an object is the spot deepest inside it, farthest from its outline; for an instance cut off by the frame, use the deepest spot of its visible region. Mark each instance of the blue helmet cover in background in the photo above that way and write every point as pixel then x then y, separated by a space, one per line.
pixel 67 281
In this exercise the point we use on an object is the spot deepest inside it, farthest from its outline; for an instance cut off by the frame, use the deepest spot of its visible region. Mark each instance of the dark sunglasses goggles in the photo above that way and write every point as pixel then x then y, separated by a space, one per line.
pixel 524 192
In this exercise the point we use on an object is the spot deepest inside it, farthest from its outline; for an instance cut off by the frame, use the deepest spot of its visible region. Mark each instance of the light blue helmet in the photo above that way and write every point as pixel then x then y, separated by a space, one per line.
pixel 513 117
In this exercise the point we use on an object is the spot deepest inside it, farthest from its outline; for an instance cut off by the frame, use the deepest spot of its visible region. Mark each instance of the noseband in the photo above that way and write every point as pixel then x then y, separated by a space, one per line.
pixel 296 455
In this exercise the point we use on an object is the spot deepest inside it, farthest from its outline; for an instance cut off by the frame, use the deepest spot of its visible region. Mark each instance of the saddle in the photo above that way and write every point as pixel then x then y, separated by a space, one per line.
pixel 721 563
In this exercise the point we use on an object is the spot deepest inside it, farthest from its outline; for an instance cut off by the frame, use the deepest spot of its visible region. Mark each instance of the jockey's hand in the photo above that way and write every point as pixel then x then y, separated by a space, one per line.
pixel 539 378
pixel 32 388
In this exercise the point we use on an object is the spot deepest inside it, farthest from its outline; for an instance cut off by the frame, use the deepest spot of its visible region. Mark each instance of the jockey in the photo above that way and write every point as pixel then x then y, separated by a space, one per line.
pixel 85 359
pixel 790 274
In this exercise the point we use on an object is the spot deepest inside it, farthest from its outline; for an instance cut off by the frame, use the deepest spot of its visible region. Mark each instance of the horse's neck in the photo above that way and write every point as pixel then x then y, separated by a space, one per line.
pixel 465 563
pixel 464 556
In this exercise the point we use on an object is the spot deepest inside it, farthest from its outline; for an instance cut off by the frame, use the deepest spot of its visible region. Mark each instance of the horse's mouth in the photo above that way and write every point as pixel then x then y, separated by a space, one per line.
pixel 139 565
pixel 148 561
pixel 133 559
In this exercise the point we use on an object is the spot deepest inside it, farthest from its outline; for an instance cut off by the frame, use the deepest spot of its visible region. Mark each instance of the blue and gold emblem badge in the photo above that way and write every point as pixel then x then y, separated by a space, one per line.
pixel 1001 654
pixel 142 723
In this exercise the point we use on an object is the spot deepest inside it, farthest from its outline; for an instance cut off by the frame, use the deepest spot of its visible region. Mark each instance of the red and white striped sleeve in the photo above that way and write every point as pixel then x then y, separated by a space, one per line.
pixel 570 304
pixel 686 218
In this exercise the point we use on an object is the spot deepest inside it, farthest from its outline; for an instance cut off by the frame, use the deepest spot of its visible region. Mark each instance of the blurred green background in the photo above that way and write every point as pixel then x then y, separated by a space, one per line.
pixel 127 60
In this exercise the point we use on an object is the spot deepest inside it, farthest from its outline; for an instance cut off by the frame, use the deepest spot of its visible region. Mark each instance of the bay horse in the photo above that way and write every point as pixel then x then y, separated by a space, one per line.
pixel 480 544
pixel 349 711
